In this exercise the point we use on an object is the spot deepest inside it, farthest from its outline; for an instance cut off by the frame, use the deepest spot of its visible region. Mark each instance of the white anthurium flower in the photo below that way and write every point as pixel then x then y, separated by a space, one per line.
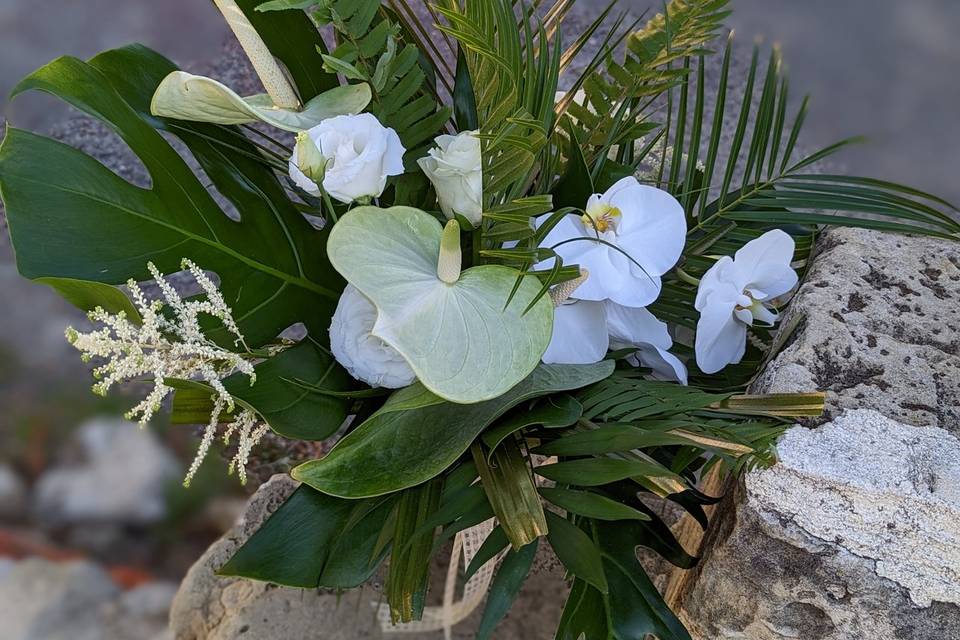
pixel 362 354
pixel 642 222
pixel 454 167
pixel 584 330
pixel 358 152
pixel 737 291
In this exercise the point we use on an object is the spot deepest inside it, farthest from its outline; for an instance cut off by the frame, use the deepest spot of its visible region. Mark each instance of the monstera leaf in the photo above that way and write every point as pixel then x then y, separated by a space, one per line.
pixel 460 337
pixel 184 96
pixel 72 218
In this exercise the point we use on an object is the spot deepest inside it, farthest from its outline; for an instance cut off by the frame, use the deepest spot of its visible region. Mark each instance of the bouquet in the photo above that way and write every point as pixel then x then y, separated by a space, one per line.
pixel 526 314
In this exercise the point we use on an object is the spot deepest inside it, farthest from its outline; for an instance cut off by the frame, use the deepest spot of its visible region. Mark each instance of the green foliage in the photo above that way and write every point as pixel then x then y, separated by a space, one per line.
pixel 300 393
pixel 373 47
pixel 508 483
pixel 267 275
pixel 417 435
pixel 619 94
pixel 506 586
pixel 294 40
pixel 87 296
pixel 406 587
pixel 314 540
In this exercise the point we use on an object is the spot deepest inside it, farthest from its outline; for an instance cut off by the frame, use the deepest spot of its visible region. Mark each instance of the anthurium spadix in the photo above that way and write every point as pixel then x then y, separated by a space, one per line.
pixel 184 96
pixel 453 327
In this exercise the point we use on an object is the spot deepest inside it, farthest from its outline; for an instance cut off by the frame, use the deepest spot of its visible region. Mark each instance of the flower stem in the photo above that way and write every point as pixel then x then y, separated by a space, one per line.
pixel 686 277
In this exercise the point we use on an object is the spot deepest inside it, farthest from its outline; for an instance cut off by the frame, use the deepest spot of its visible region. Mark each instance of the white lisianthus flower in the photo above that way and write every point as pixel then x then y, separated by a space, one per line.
pixel 736 291
pixel 365 356
pixel 584 330
pixel 360 154
pixel 454 167
pixel 641 222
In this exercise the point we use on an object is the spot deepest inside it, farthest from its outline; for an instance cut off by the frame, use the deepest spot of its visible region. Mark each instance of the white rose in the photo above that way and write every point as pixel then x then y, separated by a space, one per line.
pixel 454 167
pixel 362 354
pixel 735 292
pixel 361 154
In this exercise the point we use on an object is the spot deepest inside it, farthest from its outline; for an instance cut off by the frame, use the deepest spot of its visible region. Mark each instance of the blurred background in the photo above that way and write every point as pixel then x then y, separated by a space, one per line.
pixel 77 482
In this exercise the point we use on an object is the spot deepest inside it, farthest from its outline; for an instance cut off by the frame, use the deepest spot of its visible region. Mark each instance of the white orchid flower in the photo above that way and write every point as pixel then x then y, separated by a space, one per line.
pixel 631 219
pixel 584 330
pixel 737 291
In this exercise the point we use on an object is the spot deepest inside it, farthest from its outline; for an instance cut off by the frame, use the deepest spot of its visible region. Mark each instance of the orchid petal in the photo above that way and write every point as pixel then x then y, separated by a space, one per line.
pixel 579 334
pixel 721 339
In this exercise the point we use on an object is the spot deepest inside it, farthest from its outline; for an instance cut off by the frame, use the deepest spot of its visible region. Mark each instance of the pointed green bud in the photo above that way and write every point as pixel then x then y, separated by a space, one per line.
pixel 309 159
pixel 448 266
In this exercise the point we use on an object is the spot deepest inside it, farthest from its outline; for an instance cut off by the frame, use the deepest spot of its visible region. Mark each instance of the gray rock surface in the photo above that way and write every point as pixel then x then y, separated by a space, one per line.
pixel 209 607
pixel 121 477
pixel 854 533
pixel 13 494
pixel 40 600
pixel 880 328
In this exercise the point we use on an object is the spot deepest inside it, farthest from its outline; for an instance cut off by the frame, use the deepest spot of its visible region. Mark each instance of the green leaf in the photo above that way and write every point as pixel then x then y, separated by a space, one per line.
pixel 576 184
pixel 552 412
pixel 576 551
pixel 336 65
pixel 585 615
pixel 406 587
pixel 302 543
pixel 464 100
pixel 417 435
pixel 87 296
pixel 184 96
pixel 636 608
pixel 280 5
pixel 505 587
pixel 591 472
pixel 591 505
pixel 510 489
pixel 492 545
pixel 457 337
pixel 279 394
pixel 84 222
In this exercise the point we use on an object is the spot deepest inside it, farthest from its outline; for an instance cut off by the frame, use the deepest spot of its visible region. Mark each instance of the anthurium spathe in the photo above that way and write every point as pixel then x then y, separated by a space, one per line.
pixel 737 291
pixel 584 330
pixel 627 238
pixel 454 328
pixel 184 96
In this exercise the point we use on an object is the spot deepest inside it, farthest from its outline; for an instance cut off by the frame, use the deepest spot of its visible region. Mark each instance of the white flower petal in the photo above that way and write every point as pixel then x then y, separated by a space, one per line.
pixel 763 262
pixel 721 339
pixel 665 365
pixel 363 355
pixel 579 334
pixel 653 226
pixel 454 167
pixel 362 154
pixel 636 326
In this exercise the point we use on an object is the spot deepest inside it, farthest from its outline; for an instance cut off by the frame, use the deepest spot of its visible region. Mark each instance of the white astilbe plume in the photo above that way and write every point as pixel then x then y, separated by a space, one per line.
pixel 169 344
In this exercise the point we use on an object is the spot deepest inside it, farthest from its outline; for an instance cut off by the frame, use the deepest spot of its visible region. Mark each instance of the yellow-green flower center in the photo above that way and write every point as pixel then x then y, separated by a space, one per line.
pixel 602 217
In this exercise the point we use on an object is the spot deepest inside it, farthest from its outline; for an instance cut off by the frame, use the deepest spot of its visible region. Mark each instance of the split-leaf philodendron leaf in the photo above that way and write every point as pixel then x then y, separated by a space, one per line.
pixel 184 96
pixel 458 337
